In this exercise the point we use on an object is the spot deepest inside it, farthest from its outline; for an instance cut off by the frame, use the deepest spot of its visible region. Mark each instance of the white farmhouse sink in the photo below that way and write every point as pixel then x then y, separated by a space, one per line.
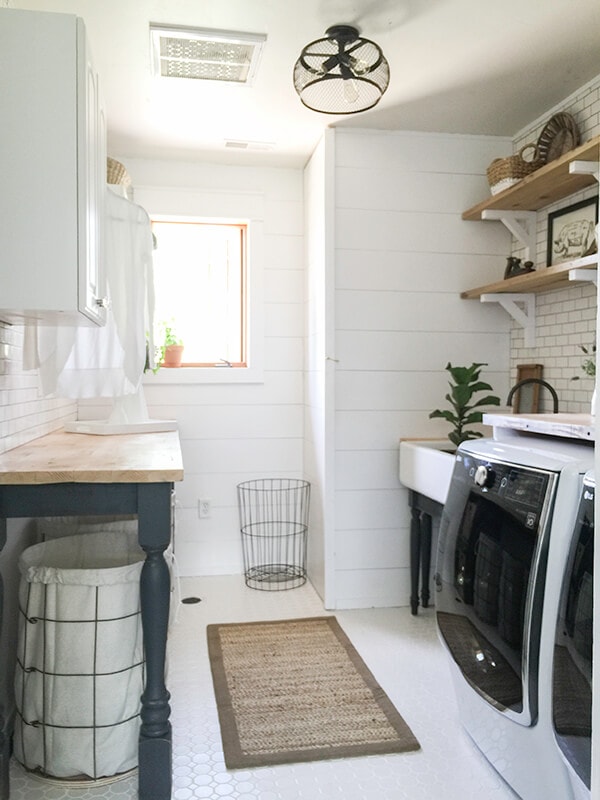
pixel 426 466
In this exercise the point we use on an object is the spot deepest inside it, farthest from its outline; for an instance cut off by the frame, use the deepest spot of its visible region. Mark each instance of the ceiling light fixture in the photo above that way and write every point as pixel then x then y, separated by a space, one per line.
pixel 207 55
pixel 342 73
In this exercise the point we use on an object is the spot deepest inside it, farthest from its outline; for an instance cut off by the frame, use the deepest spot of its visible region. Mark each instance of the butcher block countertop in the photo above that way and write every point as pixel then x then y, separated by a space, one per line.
pixel 62 457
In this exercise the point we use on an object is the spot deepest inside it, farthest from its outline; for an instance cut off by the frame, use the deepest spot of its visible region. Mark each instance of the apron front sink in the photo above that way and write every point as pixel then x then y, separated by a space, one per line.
pixel 426 466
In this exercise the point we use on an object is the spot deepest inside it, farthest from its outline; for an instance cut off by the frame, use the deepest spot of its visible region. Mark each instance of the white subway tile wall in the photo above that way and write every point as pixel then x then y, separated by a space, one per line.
pixel 565 318
pixel 24 413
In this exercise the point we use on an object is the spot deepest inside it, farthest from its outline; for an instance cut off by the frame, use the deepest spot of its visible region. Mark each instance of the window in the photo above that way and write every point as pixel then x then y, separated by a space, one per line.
pixel 200 276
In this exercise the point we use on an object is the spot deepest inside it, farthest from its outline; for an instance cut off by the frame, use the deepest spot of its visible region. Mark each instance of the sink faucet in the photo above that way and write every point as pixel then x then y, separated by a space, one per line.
pixel 534 380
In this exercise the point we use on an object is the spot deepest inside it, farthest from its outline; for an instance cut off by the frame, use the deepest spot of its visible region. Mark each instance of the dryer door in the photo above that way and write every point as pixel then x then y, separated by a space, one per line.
pixel 572 669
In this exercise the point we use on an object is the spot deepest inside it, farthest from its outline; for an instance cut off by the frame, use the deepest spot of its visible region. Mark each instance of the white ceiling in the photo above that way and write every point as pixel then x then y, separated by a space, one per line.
pixel 458 66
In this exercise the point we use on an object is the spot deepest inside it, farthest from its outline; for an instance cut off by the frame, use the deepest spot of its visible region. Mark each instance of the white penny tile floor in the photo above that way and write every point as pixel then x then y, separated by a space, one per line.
pixel 406 658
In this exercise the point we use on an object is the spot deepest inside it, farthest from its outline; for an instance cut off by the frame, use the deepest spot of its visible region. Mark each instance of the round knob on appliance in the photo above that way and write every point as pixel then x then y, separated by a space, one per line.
pixel 484 476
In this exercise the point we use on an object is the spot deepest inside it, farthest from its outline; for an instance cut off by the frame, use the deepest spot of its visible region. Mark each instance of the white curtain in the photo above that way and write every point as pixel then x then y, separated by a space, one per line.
pixel 108 361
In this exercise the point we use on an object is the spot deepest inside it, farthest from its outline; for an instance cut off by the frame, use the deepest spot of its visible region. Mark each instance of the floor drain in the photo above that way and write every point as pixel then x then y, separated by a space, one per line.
pixel 191 600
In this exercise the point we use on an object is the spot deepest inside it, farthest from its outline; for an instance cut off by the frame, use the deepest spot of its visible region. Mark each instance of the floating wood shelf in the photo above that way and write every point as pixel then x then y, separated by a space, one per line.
pixel 542 280
pixel 546 185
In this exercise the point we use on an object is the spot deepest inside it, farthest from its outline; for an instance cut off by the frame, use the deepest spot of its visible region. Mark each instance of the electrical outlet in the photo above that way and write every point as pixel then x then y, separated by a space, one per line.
pixel 204 509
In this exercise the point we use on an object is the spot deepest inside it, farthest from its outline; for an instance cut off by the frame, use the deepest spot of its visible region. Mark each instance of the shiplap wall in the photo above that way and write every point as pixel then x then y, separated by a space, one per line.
pixel 232 433
pixel 319 418
pixel 402 257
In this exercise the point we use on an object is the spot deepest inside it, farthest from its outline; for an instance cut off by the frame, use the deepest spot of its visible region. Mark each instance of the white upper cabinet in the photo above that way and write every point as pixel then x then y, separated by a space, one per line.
pixel 52 172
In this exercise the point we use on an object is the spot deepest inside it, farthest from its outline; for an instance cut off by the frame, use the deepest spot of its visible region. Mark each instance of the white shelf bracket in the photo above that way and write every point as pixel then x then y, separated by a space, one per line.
pixel 585 168
pixel 589 275
pixel 520 223
pixel 524 316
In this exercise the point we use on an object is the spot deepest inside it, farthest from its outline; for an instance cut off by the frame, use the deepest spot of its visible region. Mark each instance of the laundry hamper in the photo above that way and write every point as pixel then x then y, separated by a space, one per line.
pixel 274 526
pixel 80 663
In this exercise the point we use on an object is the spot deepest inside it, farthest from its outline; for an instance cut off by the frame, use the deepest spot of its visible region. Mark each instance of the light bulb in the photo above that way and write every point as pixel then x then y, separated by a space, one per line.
pixel 350 90
pixel 359 66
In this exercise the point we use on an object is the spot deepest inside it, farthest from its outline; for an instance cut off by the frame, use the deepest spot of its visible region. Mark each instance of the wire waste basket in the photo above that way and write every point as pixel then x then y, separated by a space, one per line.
pixel 274 526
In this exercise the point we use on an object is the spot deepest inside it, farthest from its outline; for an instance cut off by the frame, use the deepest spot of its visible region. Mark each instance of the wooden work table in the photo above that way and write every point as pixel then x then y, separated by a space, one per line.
pixel 64 474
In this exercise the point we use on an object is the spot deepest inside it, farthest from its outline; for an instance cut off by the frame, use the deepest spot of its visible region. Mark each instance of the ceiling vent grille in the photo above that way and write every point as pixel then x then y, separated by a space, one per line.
pixel 205 55
pixel 243 144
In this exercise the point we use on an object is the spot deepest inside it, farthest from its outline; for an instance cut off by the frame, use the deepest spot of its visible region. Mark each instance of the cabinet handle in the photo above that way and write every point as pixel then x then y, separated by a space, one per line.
pixel 102 302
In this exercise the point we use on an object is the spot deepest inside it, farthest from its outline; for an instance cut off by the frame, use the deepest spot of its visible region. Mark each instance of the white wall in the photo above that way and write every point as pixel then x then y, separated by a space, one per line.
pixel 319 367
pixel 232 433
pixel 403 255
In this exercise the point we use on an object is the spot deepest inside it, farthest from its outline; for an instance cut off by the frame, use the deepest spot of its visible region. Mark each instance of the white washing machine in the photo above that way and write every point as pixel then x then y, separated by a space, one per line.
pixel 503 544
pixel 572 664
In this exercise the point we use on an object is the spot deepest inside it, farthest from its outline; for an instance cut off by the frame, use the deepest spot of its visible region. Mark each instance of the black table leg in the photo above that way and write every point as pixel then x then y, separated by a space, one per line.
pixel 155 756
pixel 422 510
pixel 425 557
pixel 415 558
pixel 4 732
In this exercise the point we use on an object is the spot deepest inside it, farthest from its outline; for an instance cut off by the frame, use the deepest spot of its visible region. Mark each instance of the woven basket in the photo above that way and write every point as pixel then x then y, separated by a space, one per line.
pixel 505 172
pixel 116 173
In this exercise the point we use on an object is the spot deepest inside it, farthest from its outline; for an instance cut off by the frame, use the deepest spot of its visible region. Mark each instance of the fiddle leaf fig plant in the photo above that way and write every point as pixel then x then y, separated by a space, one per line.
pixel 464 385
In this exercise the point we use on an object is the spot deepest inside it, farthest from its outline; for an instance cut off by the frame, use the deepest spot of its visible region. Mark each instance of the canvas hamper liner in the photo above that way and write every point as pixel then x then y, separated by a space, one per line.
pixel 80 670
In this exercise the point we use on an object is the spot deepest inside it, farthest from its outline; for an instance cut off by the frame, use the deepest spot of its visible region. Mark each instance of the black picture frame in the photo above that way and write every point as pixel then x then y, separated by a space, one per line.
pixel 572 232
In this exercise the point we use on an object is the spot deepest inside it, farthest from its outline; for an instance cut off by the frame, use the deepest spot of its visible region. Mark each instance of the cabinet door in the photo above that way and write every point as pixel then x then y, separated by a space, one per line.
pixel 52 171
pixel 91 181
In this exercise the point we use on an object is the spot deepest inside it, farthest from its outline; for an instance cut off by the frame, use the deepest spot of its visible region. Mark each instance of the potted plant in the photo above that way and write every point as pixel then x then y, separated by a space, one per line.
pixel 170 351
pixel 426 464
pixel 588 365
pixel 464 385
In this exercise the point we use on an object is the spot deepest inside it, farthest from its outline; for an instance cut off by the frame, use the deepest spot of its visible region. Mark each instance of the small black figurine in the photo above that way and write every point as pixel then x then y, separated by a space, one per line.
pixel 514 267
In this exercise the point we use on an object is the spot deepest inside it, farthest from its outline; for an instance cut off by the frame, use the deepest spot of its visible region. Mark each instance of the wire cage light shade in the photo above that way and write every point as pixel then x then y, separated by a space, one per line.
pixel 342 73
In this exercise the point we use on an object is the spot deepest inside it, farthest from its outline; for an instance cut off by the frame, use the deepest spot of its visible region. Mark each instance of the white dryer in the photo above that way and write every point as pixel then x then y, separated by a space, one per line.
pixel 572 664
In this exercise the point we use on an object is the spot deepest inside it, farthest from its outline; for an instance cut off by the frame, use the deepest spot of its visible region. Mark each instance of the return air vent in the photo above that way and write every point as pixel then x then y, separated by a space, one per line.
pixel 242 144
pixel 205 55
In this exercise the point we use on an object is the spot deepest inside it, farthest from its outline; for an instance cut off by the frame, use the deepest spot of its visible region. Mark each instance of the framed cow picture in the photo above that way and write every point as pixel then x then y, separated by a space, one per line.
pixel 572 232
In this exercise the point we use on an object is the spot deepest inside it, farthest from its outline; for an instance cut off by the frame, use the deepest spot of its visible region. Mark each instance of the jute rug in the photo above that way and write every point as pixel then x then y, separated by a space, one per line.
pixel 297 690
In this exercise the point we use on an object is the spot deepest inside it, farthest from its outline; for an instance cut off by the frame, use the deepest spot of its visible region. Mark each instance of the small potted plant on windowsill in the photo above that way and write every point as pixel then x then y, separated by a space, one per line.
pixel 170 351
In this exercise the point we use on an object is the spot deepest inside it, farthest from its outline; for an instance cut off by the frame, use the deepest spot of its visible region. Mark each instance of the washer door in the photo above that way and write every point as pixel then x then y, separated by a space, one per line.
pixel 491 568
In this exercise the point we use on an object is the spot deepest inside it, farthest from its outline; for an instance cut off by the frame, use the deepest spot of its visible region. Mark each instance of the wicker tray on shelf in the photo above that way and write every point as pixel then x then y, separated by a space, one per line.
pixel 559 135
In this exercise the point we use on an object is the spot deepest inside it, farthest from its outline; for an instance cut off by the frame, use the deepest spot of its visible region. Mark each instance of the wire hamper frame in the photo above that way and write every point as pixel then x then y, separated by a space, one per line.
pixel 80 665
pixel 274 527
